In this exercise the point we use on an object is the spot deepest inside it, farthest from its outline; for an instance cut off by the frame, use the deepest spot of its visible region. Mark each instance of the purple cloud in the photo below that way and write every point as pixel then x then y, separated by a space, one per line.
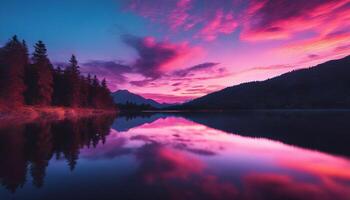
pixel 258 19
pixel 269 19
pixel 110 70
pixel 141 82
pixel 176 84
pixel 156 58
pixel 199 67
pixel 183 74
pixel 214 18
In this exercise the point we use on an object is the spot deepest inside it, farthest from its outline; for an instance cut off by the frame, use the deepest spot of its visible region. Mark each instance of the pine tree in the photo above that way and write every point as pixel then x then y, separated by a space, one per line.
pixel 107 101
pixel 13 58
pixel 84 92
pixel 44 70
pixel 25 47
pixel 90 91
pixel 58 87
pixel 39 78
pixel 74 63
pixel 72 78
pixel 95 92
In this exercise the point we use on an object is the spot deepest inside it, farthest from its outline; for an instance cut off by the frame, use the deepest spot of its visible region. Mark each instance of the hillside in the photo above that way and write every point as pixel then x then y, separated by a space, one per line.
pixel 325 86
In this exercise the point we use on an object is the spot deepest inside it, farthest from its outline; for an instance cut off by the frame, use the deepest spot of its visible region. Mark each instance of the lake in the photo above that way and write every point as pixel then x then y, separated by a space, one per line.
pixel 246 155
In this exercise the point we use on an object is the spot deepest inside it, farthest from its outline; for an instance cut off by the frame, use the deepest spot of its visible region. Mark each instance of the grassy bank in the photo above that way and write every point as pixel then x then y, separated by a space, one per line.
pixel 29 114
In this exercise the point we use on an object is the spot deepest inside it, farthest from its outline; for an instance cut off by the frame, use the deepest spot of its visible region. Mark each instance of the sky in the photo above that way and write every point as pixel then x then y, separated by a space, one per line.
pixel 177 50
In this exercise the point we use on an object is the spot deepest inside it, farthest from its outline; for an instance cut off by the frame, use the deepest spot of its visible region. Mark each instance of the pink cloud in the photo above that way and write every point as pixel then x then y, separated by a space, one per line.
pixel 212 20
pixel 156 58
pixel 342 48
pixel 183 76
pixel 267 19
pixel 179 15
pixel 203 67
pixel 319 44
pixel 220 24
pixel 259 19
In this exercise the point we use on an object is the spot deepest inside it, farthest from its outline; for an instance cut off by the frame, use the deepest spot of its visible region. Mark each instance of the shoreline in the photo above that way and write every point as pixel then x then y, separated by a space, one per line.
pixel 28 114
pixel 239 110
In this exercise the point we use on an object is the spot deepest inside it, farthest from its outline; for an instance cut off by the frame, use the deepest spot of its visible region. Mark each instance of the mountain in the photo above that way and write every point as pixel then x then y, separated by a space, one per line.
pixel 124 96
pixel 325 86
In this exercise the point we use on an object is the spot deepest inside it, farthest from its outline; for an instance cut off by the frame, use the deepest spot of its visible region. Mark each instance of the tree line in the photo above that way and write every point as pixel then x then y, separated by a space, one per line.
pixel 33 80
pixel 133 107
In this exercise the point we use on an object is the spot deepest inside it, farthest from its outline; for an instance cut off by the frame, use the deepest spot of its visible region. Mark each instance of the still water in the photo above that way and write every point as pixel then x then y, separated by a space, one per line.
pixel 243 155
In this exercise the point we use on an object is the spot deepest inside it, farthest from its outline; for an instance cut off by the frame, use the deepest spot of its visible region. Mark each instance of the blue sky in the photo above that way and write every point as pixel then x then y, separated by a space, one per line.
pixel 143 45
pixel 89 29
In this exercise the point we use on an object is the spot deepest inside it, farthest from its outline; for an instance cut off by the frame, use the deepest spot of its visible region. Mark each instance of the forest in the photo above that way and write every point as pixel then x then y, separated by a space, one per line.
pixel 33 80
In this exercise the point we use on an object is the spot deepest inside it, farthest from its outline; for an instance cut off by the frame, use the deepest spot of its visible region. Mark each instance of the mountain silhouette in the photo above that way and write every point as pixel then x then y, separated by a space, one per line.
pixel 325 86
pixel 124 96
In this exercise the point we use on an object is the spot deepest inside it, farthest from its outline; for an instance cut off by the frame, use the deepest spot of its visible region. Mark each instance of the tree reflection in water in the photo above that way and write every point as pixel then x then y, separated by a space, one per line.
pixel 27 149
pixel 172 157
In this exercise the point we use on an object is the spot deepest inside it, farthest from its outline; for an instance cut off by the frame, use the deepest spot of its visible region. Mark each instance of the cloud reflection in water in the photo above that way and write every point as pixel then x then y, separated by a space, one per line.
pixel 189 160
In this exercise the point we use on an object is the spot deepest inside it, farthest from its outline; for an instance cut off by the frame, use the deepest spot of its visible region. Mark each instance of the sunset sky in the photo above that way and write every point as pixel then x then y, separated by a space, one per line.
pixel 177 50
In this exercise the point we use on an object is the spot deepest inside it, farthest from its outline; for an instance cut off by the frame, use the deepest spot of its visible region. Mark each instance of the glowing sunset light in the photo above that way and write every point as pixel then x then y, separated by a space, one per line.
pixel 142 45
pixel 175 99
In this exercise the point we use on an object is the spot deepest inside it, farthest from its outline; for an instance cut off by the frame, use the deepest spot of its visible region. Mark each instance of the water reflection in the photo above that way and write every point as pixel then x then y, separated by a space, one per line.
pixel 29 148
pixel 320 130
pixel 128 121
pixel 162 158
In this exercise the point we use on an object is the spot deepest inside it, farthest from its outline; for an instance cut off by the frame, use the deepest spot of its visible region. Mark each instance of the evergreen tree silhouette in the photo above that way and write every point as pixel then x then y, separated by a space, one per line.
pixel 90 96
pixel 105 95
pixel 38 83
pixel 58 95
pixel 84 91
pixel 25 47
pixel 72 78
pixel 94 92
pixel 13 58
pixel 39 79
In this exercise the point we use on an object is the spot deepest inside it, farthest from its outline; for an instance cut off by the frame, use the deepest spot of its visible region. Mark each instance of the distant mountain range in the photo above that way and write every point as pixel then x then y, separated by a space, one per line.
pixel 325 86
pixel 124 96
